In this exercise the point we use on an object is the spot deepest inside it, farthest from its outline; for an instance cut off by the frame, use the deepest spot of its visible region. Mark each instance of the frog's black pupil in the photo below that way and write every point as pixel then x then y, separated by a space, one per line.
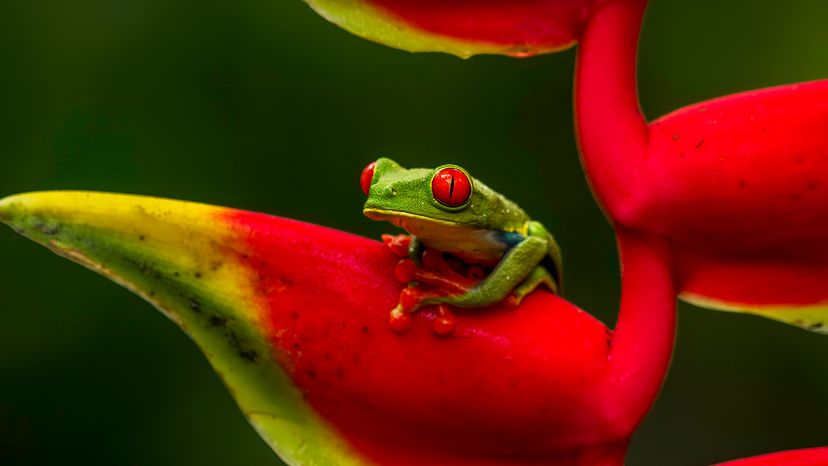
pixel 451 188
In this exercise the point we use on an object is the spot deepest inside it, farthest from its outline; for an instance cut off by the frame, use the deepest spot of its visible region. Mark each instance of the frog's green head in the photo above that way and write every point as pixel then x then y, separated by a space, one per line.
pixel 446 195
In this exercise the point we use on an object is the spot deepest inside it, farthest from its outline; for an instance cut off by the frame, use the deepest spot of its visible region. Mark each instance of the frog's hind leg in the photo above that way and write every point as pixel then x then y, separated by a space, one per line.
pixel 539 276
pixel 514 269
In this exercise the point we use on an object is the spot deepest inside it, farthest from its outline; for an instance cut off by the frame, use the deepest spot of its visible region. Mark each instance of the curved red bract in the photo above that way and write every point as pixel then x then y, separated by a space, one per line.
pixel 511 386
pixel 529 22
pixel 736 185
pixel 740 185
pixel 294 317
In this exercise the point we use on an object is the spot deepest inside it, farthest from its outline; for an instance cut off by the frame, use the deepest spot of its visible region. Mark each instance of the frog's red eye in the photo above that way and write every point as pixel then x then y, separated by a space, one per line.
pixel 366 177
pixel 451 187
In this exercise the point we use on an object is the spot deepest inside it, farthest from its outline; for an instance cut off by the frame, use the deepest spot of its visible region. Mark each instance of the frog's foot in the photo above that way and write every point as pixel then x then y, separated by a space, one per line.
pixel 443 323
pixel 444 279
pixel 398 244
pixel 415 296
pixel 412 298
pixel 399 321
pixel 435 280
pixel 538 277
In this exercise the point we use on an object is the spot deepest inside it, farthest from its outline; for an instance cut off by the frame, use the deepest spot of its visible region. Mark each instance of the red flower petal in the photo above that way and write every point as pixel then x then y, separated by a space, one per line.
pixel 294 317
pixel 462 27
pixel 740 185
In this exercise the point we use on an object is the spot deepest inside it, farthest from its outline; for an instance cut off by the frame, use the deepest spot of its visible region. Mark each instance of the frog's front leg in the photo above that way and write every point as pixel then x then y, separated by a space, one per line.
pixel 416 249
pixel 405 246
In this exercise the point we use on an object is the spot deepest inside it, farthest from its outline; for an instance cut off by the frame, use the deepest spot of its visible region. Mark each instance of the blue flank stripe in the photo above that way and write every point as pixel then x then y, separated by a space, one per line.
pixel 510 238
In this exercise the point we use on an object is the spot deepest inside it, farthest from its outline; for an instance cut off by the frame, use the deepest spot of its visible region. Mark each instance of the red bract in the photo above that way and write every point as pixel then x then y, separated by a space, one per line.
pixel 294 317
pixel 530 24
pixel 520 385
pixel 542 381
pixel 463 27
pixel 737 184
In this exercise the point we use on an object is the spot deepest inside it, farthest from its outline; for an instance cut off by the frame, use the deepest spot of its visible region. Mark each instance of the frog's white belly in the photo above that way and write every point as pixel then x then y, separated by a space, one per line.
pixel 468 243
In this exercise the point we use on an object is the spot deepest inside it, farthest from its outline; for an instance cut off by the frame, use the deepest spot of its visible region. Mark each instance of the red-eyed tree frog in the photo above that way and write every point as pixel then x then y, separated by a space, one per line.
pixel 445 210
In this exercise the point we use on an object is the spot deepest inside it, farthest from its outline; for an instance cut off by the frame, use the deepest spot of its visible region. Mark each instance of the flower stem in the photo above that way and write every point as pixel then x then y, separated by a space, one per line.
pixel 611 127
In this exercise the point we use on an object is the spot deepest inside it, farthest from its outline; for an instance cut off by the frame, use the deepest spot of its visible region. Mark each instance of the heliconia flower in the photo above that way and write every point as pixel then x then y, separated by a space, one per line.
pixel 738 185
pixel 294 318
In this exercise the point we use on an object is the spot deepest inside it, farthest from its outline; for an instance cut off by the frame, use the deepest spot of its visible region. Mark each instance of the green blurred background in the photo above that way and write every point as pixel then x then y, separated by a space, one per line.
pixel 263 105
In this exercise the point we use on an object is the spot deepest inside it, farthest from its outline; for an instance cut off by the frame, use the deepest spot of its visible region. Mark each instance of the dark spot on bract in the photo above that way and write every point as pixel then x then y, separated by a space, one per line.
pixel 194 305
pixel 816 325
pixel 699 144
pixel 217 321
pixel 198 274
pixel 46 229
pixel 742 183
pixel 340 373
pixel 311 374
pixel 676 136
pixel 364 329
pixel 141 238
pixel 249 355
pixel 296 345
pixel 294 315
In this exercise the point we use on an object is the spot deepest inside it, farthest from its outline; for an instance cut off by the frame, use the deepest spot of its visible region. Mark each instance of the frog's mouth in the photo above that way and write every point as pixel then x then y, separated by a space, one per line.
pixel 404 219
